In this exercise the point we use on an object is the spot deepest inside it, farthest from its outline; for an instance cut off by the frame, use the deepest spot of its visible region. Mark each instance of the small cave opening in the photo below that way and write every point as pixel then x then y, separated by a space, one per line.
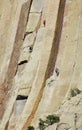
pixel 20 97
pixel 17 110
pixel 19 106
pixel 20 66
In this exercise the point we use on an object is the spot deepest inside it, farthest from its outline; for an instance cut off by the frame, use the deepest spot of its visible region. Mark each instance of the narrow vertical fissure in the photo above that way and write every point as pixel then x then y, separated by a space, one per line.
pixel 52 59
pixel 18 43
pixel 23 19
pixel 56 40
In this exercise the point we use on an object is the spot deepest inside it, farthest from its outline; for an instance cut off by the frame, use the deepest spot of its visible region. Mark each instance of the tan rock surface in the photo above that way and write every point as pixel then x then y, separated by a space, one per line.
pixel 70 115
pixel 40 63
pixel 16 13
pixel 67 62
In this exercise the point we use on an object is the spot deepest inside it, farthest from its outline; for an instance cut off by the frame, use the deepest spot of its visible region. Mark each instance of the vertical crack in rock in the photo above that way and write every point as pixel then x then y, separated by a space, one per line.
pixel 18 42
pixel 30 51
pixel 52 60
pixel 56 40
pixel 15 54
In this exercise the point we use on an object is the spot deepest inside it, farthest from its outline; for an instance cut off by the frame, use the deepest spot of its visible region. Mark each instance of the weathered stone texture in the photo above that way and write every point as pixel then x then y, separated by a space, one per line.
pixel 40 62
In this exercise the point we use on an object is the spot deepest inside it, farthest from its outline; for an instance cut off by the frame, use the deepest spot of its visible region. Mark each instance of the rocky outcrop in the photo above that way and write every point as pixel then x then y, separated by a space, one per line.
pixel 70 115
pixel 40 63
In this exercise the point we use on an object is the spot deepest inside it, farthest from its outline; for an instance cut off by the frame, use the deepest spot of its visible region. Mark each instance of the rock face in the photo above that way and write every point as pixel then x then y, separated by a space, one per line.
pixel 40 63
pixel 70 115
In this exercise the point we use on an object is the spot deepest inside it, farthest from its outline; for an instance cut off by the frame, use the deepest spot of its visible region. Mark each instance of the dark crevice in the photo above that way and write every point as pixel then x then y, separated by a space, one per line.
pixel 20 97
pixel 16 70
pixel 56 40
pixel 44 23
pixel 6 127
pixel 52 59
pixel 23 62
pixel 27 33
pixel 18 43
pixel 12 68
